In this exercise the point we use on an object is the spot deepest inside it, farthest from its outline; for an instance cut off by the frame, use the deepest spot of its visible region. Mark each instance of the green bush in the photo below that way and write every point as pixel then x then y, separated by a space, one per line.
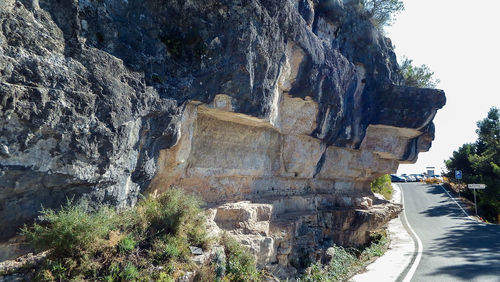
pixel 56 269
pixel 129 273
pixel 240 264
pixel 347 261
pixel 341 263
pixel 113 273
pixel 382 185
pixel 164 277
pixel 100 245
pixel 127 244
pixel 72 230
pixel 378 245
pixel 417 76
pixel 177 248
pixel 173 213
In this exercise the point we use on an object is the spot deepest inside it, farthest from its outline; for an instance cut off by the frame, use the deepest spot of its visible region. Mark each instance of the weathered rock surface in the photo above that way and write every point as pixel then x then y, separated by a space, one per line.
pixel 291 233
pixel 278 113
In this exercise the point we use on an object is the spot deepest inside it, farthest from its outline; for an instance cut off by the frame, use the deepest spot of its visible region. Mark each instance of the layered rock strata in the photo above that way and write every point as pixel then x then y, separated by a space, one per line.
pixel 278 113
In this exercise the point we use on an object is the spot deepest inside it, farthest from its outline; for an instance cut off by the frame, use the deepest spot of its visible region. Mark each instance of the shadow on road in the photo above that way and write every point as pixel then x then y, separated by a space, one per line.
pixel 446 207
pixel 435 189
pixel 469 271
pixel 469 239
pixel 478 244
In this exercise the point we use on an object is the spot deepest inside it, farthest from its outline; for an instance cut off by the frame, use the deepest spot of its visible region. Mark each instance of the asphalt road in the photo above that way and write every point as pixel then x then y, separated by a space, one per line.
pixel 455 248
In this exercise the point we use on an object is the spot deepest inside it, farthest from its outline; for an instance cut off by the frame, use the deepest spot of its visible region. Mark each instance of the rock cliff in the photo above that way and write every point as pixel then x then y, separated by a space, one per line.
pixel 277 113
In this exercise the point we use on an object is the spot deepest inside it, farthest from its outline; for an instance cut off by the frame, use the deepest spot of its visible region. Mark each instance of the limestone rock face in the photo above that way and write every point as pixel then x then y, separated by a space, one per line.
pixel 277 113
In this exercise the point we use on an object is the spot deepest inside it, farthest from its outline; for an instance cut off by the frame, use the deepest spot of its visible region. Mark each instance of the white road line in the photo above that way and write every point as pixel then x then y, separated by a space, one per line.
pixel 456 203
pixel 420 247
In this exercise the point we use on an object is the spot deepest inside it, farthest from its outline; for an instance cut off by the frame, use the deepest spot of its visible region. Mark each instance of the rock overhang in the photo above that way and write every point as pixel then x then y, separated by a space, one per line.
pixel 297 105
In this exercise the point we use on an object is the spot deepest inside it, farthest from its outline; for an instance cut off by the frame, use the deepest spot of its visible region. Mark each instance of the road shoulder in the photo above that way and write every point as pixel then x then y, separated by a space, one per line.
pixel 398 257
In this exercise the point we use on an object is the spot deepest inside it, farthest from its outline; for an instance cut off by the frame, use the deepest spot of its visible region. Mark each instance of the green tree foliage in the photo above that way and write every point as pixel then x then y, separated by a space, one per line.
pixel 488 131
pixel 417 76
pixel 381 11
pixel 460 161
pixel 480 163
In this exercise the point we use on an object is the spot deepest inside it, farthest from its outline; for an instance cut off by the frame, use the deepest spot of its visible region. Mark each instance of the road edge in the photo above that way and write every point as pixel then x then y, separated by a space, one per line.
pixel 399 256
pixel 408 273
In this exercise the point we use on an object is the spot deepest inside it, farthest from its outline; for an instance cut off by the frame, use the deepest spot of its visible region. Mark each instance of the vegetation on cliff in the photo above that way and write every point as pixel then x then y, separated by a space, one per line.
pixel 152 241
pixel 480 163
pixel 383 186
pixel 381 12
pixel 417 76
pixel 346 262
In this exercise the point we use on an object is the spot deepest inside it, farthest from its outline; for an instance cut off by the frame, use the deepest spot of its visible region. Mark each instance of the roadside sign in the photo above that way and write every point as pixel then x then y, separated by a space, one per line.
pixel 476 186
pixel 458 174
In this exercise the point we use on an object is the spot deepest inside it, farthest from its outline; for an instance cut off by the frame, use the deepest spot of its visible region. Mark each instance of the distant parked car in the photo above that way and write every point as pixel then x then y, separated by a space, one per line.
pixel 405 176
pixel 418 177
pixel 409 178
pixel 395 178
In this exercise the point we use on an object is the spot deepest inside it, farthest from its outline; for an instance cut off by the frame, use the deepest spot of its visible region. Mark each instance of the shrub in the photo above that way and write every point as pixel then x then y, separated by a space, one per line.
pixel 174 213
pixel 126 245
pixel 347 261
pixel 113 273
pixel 177 248
pixel 339 269
pixel 97 245
pixel 56 269
pixel 164 277
pixel 378 244
pixel 316 273
pixel 417 76
pixel 71 230
pixel 382 185
pixel 129 273
pixel 172 251
pixel 432 181
pixel 240 263
pixel 341 263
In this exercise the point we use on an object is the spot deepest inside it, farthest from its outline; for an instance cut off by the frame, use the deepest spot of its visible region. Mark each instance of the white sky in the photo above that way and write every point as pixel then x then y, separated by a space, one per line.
pixel 460 42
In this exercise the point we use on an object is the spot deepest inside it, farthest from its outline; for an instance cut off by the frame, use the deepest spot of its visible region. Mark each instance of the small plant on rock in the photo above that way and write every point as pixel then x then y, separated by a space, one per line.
pixel 240 264
pixel 126 245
